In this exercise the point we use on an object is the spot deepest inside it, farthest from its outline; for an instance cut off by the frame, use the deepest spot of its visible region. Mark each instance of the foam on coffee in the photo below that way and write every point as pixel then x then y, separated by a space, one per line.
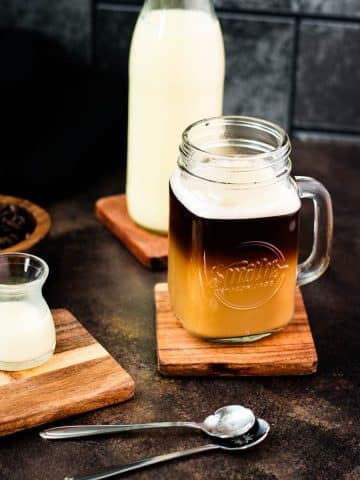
pixel 219 201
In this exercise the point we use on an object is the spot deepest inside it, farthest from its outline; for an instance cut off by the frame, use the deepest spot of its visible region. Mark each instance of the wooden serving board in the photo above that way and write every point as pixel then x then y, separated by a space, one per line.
pixel 149 248
pixel 79 377
pixel 290 351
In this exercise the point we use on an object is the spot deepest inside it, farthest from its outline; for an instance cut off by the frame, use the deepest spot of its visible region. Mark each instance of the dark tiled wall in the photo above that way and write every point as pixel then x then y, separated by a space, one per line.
pixel 323 8
pixel 328 76
pixel 114 27
pixel 258 65
pixel 296 62
pixel 67 21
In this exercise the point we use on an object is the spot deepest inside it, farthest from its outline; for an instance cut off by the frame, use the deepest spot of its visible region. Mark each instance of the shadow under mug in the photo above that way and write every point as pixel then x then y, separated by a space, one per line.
pixel 233 233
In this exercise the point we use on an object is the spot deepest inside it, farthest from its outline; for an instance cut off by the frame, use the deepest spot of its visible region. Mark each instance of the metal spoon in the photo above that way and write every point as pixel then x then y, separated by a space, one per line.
pixel 227 422
pixel 254 436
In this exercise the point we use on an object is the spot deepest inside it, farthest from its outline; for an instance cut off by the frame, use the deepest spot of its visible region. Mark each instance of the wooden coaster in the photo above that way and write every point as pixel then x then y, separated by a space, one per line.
pixel 290 351
pixel 79 377
pixel 149 248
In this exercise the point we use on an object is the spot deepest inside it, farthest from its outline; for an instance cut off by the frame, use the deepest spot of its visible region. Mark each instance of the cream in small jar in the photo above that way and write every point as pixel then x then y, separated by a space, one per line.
pixel 27 332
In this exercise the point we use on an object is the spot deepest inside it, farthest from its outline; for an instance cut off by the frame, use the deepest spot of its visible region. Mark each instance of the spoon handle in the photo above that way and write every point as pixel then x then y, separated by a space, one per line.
pixel 144 463
pixel 74 431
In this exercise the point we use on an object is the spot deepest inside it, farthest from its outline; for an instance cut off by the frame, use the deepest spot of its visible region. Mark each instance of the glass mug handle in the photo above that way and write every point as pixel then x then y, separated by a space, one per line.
pixel 317 262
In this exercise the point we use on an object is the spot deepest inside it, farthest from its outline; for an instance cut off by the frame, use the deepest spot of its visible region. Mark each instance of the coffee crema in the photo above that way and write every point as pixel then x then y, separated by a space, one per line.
pixel 232 277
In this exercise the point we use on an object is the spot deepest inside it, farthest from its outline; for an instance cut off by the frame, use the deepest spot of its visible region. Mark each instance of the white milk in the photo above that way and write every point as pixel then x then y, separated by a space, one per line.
pixel 26 332
pixel 176 73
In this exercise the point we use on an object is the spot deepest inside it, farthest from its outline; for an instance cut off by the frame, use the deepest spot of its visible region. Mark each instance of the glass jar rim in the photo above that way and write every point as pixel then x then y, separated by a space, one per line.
pixel 25 259
pixel 278 153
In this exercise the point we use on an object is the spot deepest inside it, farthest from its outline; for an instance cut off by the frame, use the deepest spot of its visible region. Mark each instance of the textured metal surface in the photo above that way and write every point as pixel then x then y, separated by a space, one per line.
pixel 314 420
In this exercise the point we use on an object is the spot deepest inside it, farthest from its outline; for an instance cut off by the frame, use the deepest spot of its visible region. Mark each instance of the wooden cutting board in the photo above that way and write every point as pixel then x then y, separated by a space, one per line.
pixel 290 351
pixel 79 377
pixel 149 248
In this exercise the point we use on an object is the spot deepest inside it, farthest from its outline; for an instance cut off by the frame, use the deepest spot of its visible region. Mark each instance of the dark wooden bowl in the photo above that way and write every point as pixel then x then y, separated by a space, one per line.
pixel 42 223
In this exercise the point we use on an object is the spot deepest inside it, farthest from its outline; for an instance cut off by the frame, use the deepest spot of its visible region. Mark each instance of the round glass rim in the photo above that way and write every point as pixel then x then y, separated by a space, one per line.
pixel 277 153
pixel 22 255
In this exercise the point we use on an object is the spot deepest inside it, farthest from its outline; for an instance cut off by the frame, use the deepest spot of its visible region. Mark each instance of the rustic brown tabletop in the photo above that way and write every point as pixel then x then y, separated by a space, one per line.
pixel 314 419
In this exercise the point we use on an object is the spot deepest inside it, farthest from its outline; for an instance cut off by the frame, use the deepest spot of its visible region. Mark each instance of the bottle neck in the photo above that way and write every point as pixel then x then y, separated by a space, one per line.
pixel 202 5
pixel 237 151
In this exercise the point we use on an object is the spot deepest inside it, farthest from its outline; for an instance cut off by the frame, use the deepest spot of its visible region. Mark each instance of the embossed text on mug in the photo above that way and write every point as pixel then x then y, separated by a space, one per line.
pixel 262 275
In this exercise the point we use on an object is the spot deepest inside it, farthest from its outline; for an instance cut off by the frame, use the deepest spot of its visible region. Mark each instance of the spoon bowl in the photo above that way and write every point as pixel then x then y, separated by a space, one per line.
pixel 229 421
pixel 254 436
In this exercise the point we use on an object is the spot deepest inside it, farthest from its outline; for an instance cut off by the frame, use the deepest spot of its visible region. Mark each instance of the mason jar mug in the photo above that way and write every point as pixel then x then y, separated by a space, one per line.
pixel 234 226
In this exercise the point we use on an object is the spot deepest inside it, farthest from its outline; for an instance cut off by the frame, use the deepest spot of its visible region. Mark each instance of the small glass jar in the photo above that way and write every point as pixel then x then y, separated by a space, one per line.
pixel 233 239
pixel 27 331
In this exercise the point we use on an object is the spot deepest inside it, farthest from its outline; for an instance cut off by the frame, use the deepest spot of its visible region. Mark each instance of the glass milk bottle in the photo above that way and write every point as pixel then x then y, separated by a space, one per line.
pixel 176 76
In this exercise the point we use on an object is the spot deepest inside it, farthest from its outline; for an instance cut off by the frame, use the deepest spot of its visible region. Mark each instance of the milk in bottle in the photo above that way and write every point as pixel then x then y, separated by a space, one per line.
pixel 176 76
